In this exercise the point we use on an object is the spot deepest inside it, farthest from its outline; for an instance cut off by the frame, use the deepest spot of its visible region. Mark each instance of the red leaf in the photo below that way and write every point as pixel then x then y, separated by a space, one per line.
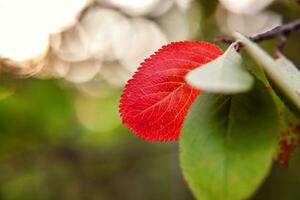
pixel 155 101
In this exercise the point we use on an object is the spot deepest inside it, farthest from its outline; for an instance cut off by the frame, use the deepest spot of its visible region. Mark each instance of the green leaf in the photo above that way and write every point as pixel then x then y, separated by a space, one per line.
pixel 227 144
pixel 224 75
pixel 277 75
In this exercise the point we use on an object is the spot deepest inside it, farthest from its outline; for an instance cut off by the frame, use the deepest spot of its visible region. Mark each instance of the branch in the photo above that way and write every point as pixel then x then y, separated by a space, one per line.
pixel 283 30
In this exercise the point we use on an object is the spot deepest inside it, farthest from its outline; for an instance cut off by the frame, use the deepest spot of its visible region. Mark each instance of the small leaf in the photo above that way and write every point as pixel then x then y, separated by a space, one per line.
pixel 155 101
pixel 227 144
pixel 224 75
pixel 275 73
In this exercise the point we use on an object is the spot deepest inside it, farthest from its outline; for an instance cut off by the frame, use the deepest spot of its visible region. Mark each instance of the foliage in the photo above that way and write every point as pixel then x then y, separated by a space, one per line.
pixel 229 142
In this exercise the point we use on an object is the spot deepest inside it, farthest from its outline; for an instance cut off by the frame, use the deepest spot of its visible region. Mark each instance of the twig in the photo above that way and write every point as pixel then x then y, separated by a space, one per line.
pixel 283 30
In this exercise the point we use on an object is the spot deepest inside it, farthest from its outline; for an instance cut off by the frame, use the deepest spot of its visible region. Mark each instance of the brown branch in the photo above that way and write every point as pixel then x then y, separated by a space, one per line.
pixel 283 30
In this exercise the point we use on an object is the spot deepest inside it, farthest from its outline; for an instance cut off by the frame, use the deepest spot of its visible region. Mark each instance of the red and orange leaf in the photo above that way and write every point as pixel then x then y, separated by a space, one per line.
pixel 155 101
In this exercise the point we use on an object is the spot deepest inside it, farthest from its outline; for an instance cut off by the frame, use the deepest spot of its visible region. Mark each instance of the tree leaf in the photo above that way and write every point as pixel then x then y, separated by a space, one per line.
pixel 227 144
pixel 224 75
pixel 274 72
pixel 155 101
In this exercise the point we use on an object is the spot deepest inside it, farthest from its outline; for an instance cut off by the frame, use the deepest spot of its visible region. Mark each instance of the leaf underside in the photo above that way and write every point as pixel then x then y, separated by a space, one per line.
pixel 155 101
pixel 224 75
pixel 227 144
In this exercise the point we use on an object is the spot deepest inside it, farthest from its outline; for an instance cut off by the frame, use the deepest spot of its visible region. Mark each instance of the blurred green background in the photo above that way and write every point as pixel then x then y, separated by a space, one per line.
pixel 59 143
pixel 47 154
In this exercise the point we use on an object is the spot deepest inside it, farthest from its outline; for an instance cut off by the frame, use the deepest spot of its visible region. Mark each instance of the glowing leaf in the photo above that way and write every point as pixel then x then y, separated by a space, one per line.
pixel 155 101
